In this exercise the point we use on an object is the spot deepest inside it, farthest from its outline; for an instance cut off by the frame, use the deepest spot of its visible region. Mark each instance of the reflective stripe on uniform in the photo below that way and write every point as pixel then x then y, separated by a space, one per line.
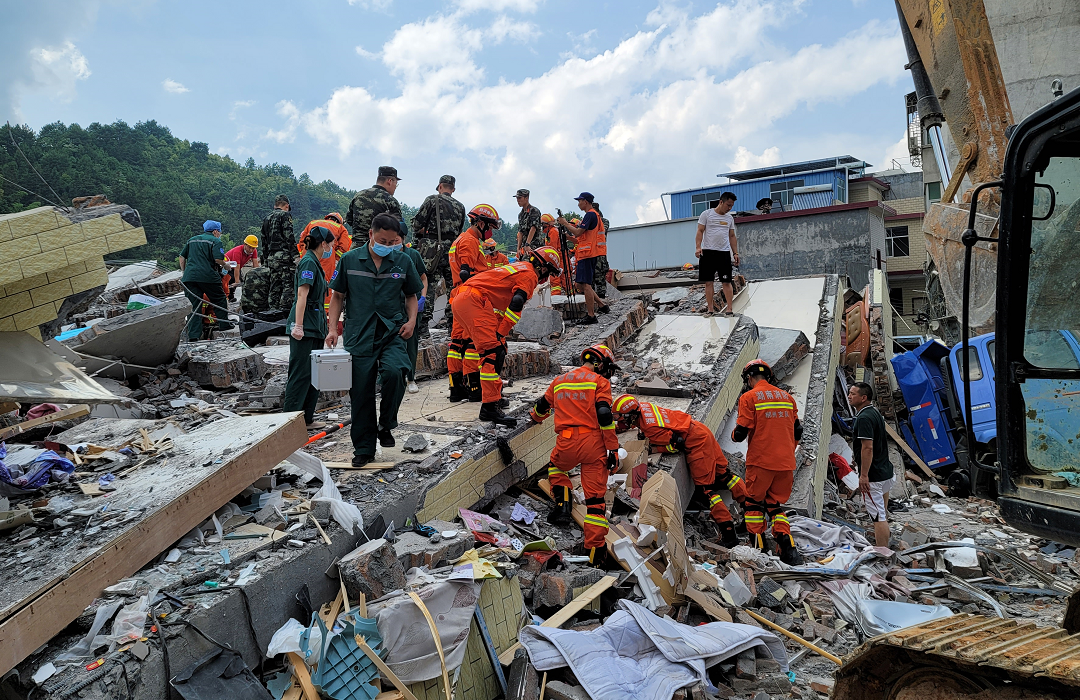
pixel 597 520
pixel 453 355
pixel 754 518
pixel 512 316
pixel 555 471
pixel 610 426
pixel 472 355
pixel 768 405
pixel 574 386
pixel 671 449
pixel 714 499
pixel 656 414
pixel 379 276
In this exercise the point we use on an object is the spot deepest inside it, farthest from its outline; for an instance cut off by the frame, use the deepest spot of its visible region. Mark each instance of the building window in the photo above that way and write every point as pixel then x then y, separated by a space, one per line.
pixel 896 300
pixel 896 242
pixel 784 192
pixel 841 189
pixel 703 201
pixel 933 191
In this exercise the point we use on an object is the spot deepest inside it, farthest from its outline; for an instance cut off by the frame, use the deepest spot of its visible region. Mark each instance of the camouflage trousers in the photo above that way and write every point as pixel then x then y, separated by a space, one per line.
pixel 256 291
pixel 600 271
pixel 437 261
pixel 282 280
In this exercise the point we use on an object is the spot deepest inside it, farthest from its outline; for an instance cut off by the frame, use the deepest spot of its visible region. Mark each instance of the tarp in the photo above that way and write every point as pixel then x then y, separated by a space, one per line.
pixel 919 376
pixel 637 655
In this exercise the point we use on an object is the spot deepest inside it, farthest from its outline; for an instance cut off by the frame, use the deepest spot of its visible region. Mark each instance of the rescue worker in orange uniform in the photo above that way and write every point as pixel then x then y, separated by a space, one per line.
pixel 585 430
pixel 342 244
pixel 769 418
pixel 466 259
pixel 492 255
pixel 670 431
pixel 486 307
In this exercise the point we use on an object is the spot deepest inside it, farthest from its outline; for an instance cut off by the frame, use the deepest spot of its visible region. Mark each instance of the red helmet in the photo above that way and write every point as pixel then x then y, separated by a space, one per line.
pixel 547 219
pixel 548 257
pixel 489 245
pixel 334 216
pixel 626 404
pixel 601 356
pixel 487 214
pixel 758 367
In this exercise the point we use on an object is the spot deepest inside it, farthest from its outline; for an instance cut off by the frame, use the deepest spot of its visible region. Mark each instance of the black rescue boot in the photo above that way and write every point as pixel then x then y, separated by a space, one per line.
pixel 562 513
pixel 599 558
pixel 728 536
pixel 476 393
pixel 504 403
pixel 458 390
pixel 386 438
pixel 789 553
pixel 492 412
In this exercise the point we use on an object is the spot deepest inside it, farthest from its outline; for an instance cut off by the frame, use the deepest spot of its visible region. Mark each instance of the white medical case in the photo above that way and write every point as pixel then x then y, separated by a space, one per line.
pixel 331 370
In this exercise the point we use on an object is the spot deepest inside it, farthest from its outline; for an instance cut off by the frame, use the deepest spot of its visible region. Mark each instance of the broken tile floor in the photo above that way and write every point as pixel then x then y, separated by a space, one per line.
pixel 275 552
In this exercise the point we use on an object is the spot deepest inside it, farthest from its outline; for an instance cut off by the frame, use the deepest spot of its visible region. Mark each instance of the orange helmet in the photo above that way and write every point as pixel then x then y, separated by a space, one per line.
pixel 547 219
pixel 489 245
pixel 487 214
pixel 626 404
pixel 758 367
pixel 334 216
pixel 547 257
pixel 602 357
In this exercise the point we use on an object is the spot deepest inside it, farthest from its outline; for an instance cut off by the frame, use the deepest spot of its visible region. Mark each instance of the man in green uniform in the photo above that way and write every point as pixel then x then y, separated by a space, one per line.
pixel 377 199
pixel 307 327
pixel 202 261
pixel 378 286
pixel 437 224
pixel 279 253
pixel 413 343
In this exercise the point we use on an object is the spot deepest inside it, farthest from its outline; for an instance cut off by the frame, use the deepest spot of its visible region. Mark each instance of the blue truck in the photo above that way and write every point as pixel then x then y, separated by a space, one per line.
pixel 931 380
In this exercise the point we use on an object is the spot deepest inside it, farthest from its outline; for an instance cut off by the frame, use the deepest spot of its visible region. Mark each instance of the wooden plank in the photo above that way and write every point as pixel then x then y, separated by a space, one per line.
pixel 32 613
pixel 566 612
pixel 369 467
pixel 303 677
pixel 910 452
pixel 63 414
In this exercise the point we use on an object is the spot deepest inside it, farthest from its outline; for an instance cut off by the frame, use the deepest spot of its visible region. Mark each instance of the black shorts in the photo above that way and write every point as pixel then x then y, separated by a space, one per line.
pixel 712 263
pixel 585 271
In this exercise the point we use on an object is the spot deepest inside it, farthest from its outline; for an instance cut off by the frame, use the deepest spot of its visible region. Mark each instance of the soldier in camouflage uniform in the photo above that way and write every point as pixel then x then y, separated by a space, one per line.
pixel 530 229
pixel 600 267
pixel 256 294
pixel 440 213
pixel 374 200
pixel 278 252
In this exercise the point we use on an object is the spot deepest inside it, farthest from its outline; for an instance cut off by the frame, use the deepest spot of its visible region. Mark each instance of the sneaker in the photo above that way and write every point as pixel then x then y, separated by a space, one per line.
pixel 316 425
pixel 362 460
pixel 386 438
pixel 588 321
pixel 605 309
pixel 412 388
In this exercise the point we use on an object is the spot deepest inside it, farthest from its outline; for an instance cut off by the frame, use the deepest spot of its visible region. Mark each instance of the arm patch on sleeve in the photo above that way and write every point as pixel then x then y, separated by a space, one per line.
pixel 307 275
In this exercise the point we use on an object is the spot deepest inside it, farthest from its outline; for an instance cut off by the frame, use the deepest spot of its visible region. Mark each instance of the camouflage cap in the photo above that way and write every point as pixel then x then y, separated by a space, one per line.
pixel 522 193
pixel 448 180
pixel 388 171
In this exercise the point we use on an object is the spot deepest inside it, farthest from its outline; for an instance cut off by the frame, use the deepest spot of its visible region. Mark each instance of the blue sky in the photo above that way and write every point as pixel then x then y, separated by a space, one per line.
pixel 625 99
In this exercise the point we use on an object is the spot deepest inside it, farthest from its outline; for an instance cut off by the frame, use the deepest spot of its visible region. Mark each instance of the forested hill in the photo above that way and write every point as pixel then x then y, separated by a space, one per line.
pixel 175 184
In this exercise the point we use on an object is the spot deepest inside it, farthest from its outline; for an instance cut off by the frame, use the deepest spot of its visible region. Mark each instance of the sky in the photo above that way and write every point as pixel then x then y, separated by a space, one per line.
pixel 624 99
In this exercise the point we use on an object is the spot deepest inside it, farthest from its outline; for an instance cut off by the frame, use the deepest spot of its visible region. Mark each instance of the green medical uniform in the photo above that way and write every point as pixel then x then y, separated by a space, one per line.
pixel 300 395
pixel 413 343
pixel 202 275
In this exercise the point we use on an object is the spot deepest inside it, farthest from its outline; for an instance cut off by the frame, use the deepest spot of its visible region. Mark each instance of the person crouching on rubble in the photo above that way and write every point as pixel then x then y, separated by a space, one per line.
pixel 769 418
pixel 307 322
pixel 585 435
pixel 378 286
pixel 669 431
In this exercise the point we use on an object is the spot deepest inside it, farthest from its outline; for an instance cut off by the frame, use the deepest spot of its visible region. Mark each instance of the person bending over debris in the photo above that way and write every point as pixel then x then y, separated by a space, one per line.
pixel 872 457
pixel 769 418
pixel 377 284
pixel 467 259
pixel 246 252
pixel 486 307
pixel 670 431
pixel 307 322
pixel 203 261
pixel 585 435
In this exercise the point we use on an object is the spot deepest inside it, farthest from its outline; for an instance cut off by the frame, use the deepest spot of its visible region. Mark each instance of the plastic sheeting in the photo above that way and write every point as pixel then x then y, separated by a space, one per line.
pixel 636 655
pixel 346 514
pixel 815 538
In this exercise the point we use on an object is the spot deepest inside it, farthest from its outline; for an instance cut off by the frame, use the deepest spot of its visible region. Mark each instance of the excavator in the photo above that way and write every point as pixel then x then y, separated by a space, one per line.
pixel 1004 256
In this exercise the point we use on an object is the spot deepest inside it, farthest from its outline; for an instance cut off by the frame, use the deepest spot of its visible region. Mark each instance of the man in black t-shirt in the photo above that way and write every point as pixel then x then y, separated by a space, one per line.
pixel 869 443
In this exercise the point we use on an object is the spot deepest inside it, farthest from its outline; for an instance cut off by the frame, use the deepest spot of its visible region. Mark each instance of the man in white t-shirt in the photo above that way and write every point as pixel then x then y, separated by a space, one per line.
pixel 716 247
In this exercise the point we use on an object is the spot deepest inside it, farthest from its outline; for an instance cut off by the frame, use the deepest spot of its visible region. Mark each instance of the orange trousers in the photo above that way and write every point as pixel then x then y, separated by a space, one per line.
pixel 766 493
pixel 475 319
pixel 708 468
pixel 584 446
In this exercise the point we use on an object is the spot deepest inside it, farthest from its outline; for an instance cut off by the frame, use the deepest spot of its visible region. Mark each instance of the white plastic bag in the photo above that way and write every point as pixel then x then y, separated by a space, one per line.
pixel 346 514
pixel 131 620
pixel 287 639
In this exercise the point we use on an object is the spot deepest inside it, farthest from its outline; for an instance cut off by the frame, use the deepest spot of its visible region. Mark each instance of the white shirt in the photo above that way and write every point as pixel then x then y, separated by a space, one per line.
pixel 717 228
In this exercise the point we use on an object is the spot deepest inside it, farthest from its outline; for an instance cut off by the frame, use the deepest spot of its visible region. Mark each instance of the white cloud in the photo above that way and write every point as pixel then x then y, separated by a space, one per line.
pixel 468 6
pixel 898 152
pixel 174 87
pixel 745 160
pixel 58 69
pixel 662 109
pixel 377 5
pixel 291 114
pixel 364 53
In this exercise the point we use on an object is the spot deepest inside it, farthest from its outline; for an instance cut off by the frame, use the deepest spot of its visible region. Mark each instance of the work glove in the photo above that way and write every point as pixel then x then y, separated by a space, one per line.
pixel 420 304
pixel 679 443
pixel 641 435
pixel 612 461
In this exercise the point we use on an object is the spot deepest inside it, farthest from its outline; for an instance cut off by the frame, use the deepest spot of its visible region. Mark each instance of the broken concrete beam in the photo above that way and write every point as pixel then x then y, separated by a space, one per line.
pixel 537 323
pixel 555 589
pixel 523 359
pixel 746 665
pixel 783 349
pixel 522 683
pixel 671 296
pixel 222 363
pixel 143 337
pixel 160 287
pixel 773 685
pixel 414 550
pixel 557 690
pixel 372 569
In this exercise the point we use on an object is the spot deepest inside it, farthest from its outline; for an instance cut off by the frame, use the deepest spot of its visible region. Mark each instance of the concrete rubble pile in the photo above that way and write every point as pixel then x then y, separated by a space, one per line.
pixel 187 536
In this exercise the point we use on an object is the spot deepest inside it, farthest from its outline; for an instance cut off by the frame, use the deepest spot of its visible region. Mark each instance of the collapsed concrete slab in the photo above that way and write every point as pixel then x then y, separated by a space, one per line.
pixel 152 507
pixel 783 349
pixel 539 322
pixel 32 373
pixel 221 363
pixel 143 337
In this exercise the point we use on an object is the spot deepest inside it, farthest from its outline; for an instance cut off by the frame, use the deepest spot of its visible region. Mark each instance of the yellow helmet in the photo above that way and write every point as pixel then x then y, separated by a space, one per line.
pixel 252 241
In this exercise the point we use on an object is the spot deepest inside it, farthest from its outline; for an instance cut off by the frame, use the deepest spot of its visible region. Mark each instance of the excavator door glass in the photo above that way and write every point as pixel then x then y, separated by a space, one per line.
pixel 1053 313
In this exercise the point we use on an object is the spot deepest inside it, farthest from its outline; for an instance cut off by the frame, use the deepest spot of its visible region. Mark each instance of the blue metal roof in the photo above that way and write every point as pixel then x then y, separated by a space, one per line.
pixel 793 168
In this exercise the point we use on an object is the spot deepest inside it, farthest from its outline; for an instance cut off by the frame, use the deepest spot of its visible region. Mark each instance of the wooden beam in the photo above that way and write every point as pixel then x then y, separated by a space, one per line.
pixel 29 619
pixel 910 452
pixel 565 613
pixel 384 669
pixel 303 676
pixel 63 414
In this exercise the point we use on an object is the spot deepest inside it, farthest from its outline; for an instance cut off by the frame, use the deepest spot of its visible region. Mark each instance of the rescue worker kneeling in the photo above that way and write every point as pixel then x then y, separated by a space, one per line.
pixel 585 435
pixel 486 306
pixel 670 431
pixel 769 418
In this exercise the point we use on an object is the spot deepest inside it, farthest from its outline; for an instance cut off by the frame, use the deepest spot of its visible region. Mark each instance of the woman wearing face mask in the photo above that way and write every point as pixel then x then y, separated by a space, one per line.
pixel 307 323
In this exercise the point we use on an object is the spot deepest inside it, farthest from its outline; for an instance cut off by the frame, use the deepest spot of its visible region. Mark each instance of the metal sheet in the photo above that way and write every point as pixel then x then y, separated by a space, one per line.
pixel 31 373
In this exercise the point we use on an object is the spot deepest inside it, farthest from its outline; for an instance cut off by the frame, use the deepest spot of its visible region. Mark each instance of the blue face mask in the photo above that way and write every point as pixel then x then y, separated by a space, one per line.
pixel 383 250
pixel 327 253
